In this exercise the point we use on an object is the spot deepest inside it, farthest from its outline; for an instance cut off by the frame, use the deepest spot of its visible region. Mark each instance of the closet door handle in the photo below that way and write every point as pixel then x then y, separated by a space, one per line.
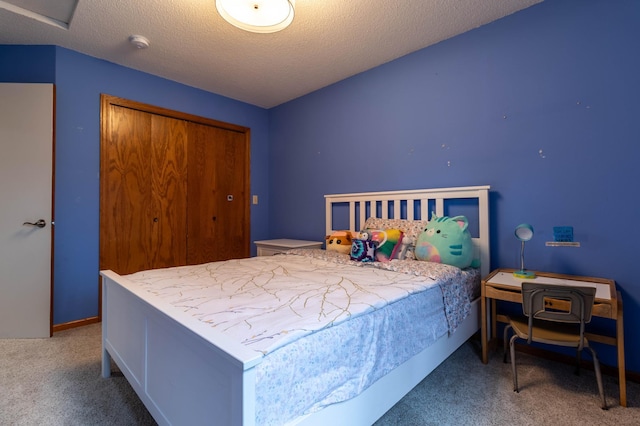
pixel 39 223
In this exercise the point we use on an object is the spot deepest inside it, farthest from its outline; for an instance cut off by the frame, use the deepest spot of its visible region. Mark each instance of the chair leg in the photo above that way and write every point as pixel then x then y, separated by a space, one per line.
pixel 504 340
pixel 578 362
pixel 596 367
pixel 513 362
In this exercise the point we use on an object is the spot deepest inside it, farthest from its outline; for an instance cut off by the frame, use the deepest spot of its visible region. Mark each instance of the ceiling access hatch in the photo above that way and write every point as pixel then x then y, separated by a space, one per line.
pixel 58 13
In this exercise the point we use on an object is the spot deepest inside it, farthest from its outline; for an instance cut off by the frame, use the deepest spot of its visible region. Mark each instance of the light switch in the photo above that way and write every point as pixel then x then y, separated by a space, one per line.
pixel 255 199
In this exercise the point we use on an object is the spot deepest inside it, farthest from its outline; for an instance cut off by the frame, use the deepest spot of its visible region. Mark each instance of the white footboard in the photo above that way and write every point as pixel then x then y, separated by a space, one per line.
pixel 183 372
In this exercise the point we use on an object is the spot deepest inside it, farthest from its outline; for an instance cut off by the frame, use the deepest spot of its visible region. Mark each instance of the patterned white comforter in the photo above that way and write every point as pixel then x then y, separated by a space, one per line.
pixel 268 303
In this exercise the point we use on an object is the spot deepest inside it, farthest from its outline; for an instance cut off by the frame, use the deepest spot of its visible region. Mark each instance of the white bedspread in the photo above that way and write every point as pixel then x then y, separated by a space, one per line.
pixel 267 302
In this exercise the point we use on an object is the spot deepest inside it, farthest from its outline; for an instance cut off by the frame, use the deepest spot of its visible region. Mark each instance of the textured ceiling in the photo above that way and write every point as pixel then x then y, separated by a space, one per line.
pixel 328 41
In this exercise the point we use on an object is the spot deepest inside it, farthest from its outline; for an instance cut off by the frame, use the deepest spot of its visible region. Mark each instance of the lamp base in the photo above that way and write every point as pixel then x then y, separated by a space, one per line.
pixel 527 275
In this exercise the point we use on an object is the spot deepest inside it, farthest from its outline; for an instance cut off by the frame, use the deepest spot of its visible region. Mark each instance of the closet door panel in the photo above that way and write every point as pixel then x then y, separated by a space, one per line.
pixel 169 192
pixel 218 202
pixel 126 198
pixel 232 178
pixel 202 212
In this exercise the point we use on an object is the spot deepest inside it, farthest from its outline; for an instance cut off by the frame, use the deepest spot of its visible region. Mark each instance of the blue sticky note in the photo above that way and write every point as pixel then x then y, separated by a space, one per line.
pixel 563 234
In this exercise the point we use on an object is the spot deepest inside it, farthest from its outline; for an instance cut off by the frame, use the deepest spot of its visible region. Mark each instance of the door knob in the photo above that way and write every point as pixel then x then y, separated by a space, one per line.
pixel 40 223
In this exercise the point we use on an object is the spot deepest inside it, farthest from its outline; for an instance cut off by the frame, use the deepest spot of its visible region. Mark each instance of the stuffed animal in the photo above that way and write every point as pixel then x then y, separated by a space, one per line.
pixel 363 250
pixel 339 241
pixel 446 240
pixel 407 248
pixel 388 242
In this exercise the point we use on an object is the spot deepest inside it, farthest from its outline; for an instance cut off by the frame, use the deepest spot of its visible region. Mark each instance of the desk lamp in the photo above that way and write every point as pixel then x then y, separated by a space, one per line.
pixel 524 232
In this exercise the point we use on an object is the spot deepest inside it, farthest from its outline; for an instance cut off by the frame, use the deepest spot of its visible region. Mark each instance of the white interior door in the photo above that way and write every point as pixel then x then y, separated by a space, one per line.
pixel 26 176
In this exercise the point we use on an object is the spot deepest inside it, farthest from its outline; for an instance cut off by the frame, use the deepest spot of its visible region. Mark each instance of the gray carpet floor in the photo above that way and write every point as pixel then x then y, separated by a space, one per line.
pixel 57 382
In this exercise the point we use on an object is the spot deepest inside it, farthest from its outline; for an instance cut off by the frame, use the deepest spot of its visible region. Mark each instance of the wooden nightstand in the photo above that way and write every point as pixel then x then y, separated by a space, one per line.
pixel 271 247
pixel 502 285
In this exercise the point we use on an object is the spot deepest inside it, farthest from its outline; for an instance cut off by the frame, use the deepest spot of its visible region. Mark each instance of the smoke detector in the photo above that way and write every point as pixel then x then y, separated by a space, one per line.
pixel 141 42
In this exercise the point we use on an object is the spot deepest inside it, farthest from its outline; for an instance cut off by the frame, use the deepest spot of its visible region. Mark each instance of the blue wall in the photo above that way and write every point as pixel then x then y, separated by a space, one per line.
pixel 542 105
pixel 79 81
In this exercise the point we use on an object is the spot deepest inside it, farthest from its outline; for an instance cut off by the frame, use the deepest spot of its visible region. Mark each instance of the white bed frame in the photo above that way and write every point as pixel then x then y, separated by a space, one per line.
pixel 187 373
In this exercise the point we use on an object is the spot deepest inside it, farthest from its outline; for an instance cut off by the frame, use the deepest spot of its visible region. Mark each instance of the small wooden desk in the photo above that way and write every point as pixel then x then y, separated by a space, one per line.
pixel 502 285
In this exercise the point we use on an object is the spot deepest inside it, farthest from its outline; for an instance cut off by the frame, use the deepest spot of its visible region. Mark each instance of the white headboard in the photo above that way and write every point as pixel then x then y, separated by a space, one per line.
pixel 405 204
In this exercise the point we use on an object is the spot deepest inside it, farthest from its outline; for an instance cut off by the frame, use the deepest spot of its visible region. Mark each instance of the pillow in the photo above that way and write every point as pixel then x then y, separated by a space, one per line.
pixel 446 240
pixel 363 250
pixel 339 241
pixel 389 242
pixel 410 228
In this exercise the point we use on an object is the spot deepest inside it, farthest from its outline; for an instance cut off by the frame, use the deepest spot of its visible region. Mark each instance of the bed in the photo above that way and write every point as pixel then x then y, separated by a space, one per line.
pixel 187 368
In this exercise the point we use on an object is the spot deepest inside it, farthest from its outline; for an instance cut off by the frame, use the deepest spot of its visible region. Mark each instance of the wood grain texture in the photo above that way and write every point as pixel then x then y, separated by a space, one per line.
pixel 125 191
pixel 218 198
pixel 164 181
pixel 169 192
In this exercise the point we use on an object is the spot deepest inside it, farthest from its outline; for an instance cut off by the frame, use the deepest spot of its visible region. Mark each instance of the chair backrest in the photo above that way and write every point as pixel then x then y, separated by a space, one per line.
pixel 570 304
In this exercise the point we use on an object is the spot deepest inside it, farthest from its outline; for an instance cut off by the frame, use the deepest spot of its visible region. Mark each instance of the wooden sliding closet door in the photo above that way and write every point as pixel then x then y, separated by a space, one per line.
pixel 218 208
pixel 143 192
pixel 169 192
pixel 125 192
pixel 174 188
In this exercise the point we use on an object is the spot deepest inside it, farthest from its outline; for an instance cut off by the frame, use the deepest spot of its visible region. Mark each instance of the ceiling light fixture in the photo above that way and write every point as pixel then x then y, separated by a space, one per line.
pixel 257 16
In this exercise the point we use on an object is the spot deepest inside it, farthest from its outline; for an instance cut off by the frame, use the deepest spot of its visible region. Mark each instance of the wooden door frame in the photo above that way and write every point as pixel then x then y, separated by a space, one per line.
pixel 106 101
pixel 52 328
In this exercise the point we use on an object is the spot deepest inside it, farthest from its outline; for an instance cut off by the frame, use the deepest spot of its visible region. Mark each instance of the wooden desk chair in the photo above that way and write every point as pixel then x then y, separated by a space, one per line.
pixel 555 315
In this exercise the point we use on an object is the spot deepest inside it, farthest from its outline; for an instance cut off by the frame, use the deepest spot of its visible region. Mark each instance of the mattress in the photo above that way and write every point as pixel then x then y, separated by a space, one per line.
pixel 327 327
